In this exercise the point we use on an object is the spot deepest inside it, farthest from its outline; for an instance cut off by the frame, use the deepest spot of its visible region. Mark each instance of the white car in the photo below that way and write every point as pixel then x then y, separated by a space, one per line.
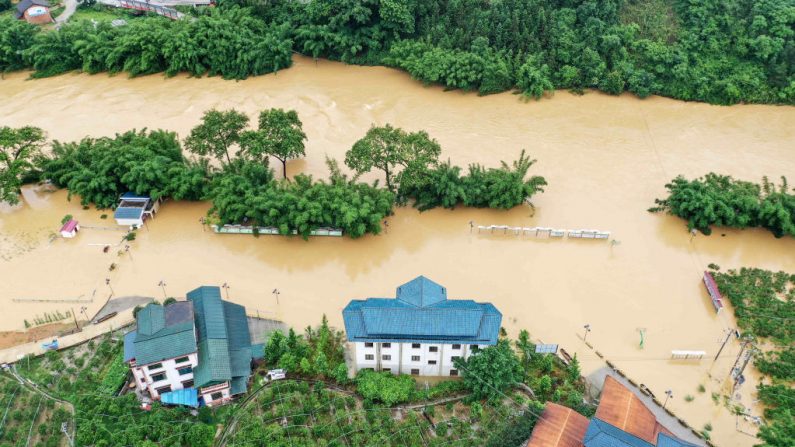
pixel 276 374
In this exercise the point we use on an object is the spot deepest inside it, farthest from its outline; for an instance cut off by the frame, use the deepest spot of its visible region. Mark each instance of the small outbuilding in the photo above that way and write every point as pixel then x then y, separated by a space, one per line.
pixel 36 12
pixel 70 229
pixel 134 209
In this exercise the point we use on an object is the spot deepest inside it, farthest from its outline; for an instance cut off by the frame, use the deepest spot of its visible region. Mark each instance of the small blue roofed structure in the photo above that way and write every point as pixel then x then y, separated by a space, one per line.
pixel 421 313
pixel 133 209
pixel 188 397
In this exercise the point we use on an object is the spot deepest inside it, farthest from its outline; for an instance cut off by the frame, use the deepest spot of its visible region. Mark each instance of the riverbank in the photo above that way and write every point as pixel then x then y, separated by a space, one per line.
pixel 605 158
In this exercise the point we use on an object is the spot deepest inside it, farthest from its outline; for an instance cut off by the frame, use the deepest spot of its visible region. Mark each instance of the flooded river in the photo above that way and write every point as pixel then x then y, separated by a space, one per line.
pixel 605 158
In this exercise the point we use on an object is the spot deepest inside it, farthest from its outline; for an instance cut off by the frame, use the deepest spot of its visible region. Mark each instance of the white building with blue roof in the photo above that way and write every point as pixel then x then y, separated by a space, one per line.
pixel 419 332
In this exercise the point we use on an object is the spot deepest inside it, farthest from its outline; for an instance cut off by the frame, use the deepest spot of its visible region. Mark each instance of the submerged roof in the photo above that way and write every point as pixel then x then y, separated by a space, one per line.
pixel 131 196
pixel 559 426
pixel 124 212
pixel 69 226
pixel 162 333
pixel 224 340
pixel 421 312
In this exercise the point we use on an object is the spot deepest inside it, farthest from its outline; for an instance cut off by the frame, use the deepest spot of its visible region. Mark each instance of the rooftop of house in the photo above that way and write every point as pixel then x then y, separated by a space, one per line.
pixel 216 329
pixel 162 333
pixel 621 420
pixel 421 312
pixel 559 426
pixel 622 408
pixel 24 5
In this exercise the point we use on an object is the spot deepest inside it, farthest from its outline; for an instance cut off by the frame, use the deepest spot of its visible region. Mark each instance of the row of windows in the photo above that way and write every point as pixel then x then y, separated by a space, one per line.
pixel 155 366
pixel 455 347
pixel 162 376
pixel 414 358
pixel 167 388
pixel 415 372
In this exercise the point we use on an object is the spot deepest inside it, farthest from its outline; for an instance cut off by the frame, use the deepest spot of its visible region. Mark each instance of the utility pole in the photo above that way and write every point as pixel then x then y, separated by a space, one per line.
pixel 162 284
pixel 748 357
pixel 739 356
pixel 728 335
pixel 74 317
pixel 587 328
pixel 277 293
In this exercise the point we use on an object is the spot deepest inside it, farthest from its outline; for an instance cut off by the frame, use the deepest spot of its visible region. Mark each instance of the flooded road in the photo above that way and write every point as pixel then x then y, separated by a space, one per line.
pixel 605 158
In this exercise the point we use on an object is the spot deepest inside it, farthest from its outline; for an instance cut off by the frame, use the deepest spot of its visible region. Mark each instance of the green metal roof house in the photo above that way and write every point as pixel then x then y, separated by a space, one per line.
pixel 202 343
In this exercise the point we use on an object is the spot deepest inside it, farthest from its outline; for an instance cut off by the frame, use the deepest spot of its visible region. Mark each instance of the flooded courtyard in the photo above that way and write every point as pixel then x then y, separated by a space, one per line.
pixel 606 159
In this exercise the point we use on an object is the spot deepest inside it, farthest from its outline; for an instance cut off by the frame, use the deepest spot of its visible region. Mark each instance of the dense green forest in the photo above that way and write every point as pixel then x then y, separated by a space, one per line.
pixel 721 201
pixel 764 304
pixel 721 52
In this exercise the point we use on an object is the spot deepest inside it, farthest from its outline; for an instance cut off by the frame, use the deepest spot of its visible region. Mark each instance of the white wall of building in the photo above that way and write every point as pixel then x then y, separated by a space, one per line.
pixel 422 359
pixel 208 393
pixel 145 375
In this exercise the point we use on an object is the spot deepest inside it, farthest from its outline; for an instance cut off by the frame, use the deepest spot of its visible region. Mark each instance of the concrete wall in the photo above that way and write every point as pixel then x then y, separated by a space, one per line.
pixel 143 375
pixel 422 359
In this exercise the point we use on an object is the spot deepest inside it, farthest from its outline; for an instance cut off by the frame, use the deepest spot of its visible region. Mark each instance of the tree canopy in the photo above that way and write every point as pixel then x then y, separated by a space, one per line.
pixel 280 135
pixel 720 200
pixel 390 148
pixel 19 149
pixel 492 371
pixel 218 131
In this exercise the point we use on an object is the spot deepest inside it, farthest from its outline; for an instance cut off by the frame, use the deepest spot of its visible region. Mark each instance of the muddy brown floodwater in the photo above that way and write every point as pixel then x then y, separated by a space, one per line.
pixel 606 159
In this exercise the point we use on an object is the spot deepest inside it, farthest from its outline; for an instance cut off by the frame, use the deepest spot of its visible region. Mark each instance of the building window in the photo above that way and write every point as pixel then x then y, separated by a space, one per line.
pixel 369 357
pixel 415 358
pixel 368 345
pixel 386 345
pixel 415 372
pixel 456 346
pixel 433 349
pixel 185 370
pixel 154 366
pixel 475 348
pixel 368 369
pixel 415 346
pixel 386 357
pixel 182 360
pixel 453 373
pixel 386 370
pixel 165 389
pixel 158 377
pixel 187 384
pixel 216 396
pixel 431 362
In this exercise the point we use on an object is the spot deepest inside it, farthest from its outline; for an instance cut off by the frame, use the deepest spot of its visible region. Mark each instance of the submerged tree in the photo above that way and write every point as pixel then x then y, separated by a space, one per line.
pixel 280 135
pixel 390 148
pixel 18 149
pixel 218 132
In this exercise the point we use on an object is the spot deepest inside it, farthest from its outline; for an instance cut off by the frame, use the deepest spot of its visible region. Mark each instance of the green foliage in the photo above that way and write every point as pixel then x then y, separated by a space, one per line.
pixel 115 376
pixel 492 371
pixel 280 135
pixel 100 170
pixel 217 133
pixel 169 300
pixel 384 387
pixel 502 188
pixel 15 37
pixel 764 305
pixel 518 431
pixel 319 353
pixel 19 149
pixel 230 43
pixel 389 148
pixel 719 200
pixel 302 205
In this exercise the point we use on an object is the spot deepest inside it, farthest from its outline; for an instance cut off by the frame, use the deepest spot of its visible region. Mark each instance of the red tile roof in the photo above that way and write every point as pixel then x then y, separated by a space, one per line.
pixel 621 408
pixel 69 226
pixel 559 427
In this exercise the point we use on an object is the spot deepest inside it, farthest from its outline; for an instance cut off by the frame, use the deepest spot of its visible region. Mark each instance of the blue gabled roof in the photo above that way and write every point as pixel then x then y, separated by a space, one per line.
pixel 128 213
pixel 602 434
pixel 664 440
pixel 421 312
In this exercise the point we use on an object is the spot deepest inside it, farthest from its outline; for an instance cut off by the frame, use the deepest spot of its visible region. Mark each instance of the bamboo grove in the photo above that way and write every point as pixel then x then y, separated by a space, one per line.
pixel 722 52
pixel 227 162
